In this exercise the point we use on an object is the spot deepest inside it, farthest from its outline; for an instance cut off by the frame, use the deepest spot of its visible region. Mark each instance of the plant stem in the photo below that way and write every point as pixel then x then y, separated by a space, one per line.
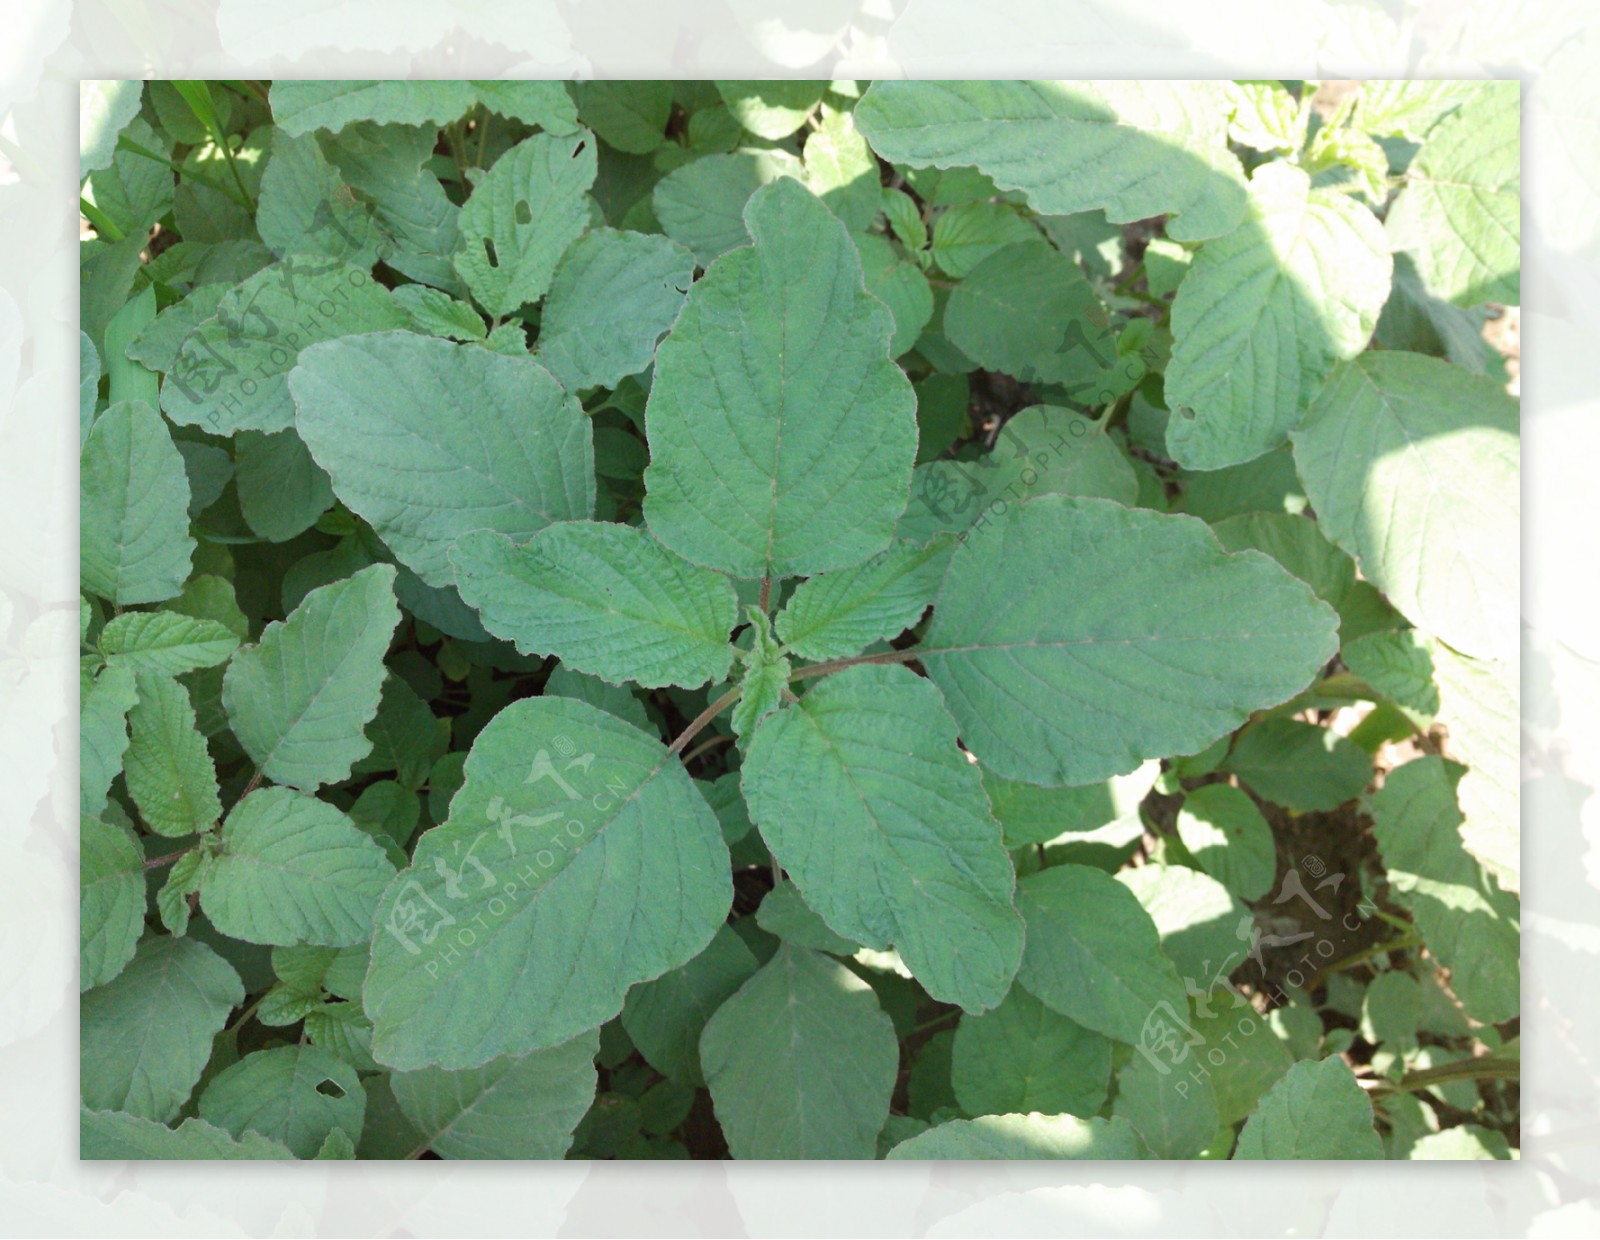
pixel 766 594
pixel 1129 279
pixel 255 782
pixel 839 665
pixel 99 219
pixel 164 859
pixel 483 134
pixel 244 1016
pixel 1486 1068
pixel 199 178
pixel 705 747
pixel 1362 956
pixel 934 1020
pixel 703 718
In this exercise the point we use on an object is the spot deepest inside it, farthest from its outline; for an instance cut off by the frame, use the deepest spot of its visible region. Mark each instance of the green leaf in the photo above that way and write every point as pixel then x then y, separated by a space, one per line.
pixel 1093 954
pixel 1391 1009
pixel 905 218
pixel 111 899
pixel 578 859
pixel 166 642
pixel 118 1135
pixel 966 235
pixel 1225 832
pixel 1317 1110
pixel 841 613
pixel 103 735
pixel 1175 1116
pixel 521 218
pixel 308 210
pixel 1044 450
pixel 1126 635
pixel 1471 927
pixel 841 170
pixel 127 379
pixel 814 441
pixel 134 192
pixel 1407 108
pixel 1415 321
pixel 765 678
pixel 1412 467
pixel 183 881
pixel 336 1145
pixel 427 440
pixel 1481 699
pixel 299 699
pixel 406 737
pixel 1022 1137
pixel 666 1016
pixel 300 106
pixel 801 1061
pixel 1296 542
pixel 605 599
pixel 1263 314
pixel 208 598
pixel 133 522
pixel 613 297
pixel 1029 814
pixel 1196 916
pixel 615 700
pixel 338 970
pixel 546 104
pixel 438 314
pixel 1299 765
pixel 1266 117
pixel 1460 213
pixel 785 915
pixel 882 823
pixel 296 1095
pixel 344 1031
pixel 104 109
pixel 168 769
pixel 310 970
pixel 1243 1053
pixel 282 491
pixel 513 1107
pixel 293 869
pixel 1029 311
pixel 701 204
pixel 771 109
pixel 1399 665
pixel 942 417
pixel 417 223
pixel 1134 148
pixel 630 115
pixel 231 372
pixel 88 385
pixel 145 1036
pixel 900 286
pixel 1023 1057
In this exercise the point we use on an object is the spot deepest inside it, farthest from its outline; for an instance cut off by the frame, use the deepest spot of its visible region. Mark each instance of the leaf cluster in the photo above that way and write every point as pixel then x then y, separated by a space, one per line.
pixel 798 620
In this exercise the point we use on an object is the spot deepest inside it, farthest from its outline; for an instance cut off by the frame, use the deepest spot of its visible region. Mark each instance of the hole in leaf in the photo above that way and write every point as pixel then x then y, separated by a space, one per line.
pixel 578 150
pixel 524 213
pixel 489 252
pixel 330 1089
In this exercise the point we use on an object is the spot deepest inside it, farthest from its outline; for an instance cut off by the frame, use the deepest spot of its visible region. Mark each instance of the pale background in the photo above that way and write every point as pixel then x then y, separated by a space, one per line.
pixel 47 45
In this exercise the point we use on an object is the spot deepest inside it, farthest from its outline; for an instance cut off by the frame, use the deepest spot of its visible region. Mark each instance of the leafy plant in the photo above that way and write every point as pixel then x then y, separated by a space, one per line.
pixel 798 620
